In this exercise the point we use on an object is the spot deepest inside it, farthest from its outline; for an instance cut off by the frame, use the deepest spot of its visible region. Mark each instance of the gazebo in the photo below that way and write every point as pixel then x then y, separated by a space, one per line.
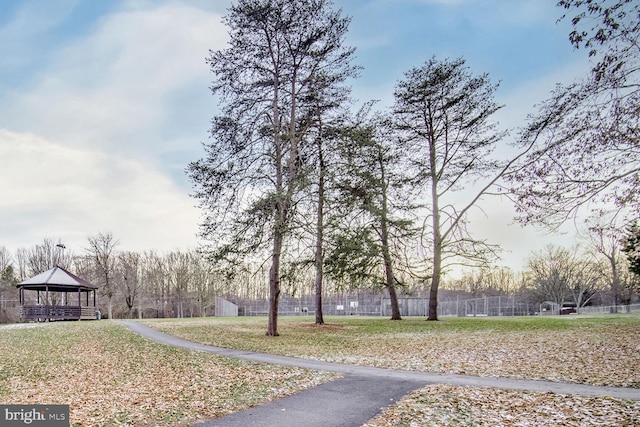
pixel 61 295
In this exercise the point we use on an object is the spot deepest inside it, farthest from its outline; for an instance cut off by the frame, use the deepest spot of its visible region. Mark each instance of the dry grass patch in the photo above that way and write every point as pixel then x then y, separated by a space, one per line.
pixel 112 377
pixel 324 327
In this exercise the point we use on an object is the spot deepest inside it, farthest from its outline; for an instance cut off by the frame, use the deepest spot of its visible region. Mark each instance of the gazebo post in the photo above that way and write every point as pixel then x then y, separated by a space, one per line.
pixel 79 304
pixel 46 302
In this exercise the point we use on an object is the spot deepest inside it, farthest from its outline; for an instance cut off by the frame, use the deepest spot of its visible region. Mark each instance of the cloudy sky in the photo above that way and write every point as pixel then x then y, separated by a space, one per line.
pixel 104 103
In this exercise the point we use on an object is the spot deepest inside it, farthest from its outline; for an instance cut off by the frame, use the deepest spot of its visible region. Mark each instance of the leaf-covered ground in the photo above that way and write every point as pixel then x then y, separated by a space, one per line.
pixel 445 405
pixel 112 377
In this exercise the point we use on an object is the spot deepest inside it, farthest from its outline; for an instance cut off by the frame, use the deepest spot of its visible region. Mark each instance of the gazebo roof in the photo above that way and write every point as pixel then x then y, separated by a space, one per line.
pixel 57 279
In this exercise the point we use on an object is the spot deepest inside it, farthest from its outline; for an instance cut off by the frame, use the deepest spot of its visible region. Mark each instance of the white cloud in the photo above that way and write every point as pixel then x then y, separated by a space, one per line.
pixel 69 193
pixel 113 87
pixel 97 141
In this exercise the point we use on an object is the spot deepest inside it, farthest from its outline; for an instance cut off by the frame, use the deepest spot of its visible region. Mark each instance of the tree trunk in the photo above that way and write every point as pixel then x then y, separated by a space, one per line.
pixel 274 284
pixel 435 284
pixel 437 236
pixel 615 279
pixel 319 317
pixel 389 278
pixel 395 308
pixel 433 299
pixel 384 237
pixel 319 259
pixel 278 232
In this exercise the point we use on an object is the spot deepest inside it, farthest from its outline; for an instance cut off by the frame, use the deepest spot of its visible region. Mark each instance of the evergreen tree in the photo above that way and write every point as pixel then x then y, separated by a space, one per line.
pixel 631 247
pixel 374 192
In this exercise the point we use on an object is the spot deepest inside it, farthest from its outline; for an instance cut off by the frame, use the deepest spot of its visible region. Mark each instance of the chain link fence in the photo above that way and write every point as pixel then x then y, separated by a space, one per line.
pixel 488 306
pixel 604 309
pixel 348 305
pixel 378 305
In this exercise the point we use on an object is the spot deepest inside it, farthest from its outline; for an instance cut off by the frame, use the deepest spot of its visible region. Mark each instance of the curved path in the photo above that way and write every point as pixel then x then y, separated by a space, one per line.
pixel 363 392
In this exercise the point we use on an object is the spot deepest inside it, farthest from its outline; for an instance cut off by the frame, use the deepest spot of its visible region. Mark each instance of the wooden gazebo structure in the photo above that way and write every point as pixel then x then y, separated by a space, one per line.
pixel 74 294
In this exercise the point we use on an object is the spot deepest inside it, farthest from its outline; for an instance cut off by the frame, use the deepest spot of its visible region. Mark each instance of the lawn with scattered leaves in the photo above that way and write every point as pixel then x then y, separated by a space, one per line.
pixel 113 377
pixel 599 350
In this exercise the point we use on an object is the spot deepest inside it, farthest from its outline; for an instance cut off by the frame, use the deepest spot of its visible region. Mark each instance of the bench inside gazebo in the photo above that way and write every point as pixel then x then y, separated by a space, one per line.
pixel 59 295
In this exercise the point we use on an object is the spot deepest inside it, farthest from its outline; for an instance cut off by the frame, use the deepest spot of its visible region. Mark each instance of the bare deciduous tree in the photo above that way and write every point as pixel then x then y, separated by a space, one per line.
pixel 561 275
pixel 102 252
pixel 129 276
pixel 47 255
pixel 605 241
pixel 586 145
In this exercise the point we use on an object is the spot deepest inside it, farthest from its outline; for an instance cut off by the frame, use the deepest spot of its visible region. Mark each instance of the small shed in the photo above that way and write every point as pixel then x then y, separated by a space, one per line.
pixel 59 295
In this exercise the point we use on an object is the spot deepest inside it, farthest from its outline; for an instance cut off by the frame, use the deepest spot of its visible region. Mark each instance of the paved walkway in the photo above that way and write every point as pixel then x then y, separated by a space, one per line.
pixel 359 396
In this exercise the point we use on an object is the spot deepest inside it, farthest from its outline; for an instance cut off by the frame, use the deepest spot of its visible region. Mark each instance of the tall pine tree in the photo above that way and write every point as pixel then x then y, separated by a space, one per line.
pixel 285 61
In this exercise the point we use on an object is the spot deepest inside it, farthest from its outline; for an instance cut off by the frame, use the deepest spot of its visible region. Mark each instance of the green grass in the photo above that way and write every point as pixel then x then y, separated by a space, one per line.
pixel 248 333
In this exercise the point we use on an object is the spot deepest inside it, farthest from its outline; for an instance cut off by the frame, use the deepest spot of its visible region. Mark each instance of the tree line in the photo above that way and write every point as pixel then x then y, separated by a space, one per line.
pixel 130 284
pixel 603 271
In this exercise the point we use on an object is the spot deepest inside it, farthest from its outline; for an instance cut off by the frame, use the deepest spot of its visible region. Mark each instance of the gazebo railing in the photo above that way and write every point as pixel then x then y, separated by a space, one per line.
pixel 57 312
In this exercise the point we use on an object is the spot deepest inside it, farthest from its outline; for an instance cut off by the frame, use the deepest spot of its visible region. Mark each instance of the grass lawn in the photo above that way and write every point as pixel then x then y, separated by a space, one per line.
pixel 599 350
pixel 112 377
